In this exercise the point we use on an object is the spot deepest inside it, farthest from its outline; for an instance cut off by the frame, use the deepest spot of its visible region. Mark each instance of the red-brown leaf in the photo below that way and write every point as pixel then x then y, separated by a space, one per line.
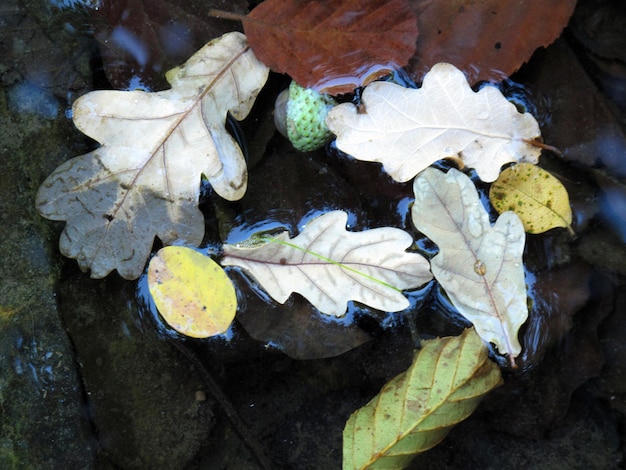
pixel 332 45
pixel 487 39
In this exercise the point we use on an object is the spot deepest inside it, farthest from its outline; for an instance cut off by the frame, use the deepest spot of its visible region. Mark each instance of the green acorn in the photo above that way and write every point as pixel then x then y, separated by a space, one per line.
pixel 299 115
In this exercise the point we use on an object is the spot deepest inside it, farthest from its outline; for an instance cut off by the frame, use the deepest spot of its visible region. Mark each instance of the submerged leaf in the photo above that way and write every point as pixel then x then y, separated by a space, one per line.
pixel 333 45
pixel 537 197
pixel 489 39
pixel 416 410
pixel 144 181
pixel 330 266
pixel 479 266
pixel 407 130
pixel 138 39
pixel 192 292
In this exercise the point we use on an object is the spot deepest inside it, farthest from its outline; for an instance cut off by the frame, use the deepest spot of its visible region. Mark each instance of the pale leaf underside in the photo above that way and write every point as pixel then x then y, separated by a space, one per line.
pixel 479 265
pixel 330 266
pixel 144 180
pixel 407 130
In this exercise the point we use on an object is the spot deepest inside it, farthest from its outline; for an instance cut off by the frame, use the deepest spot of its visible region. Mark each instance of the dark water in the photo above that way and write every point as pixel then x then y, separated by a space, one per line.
pixel 91 378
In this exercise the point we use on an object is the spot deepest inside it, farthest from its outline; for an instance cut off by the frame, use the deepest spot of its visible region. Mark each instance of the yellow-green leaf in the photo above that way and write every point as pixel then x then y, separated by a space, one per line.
pixel 192 292
pixel 416 410
pixel 537 197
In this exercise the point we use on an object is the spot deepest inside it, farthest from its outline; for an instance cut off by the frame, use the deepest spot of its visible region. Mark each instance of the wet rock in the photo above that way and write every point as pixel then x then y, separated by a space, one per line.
pixel 142 394
pixel 43 422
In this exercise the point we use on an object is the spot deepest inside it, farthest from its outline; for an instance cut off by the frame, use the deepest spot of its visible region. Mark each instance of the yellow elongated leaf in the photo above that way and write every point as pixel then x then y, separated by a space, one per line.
pixel 330 266
pixel 479 266
pixel 192 292
pixel 144 181
pixel 537 197
pixel 407 130
pixel 416 410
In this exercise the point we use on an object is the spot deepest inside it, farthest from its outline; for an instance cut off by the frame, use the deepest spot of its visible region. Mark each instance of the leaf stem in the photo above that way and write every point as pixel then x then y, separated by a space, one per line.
pixel 226 15
pixel 541 145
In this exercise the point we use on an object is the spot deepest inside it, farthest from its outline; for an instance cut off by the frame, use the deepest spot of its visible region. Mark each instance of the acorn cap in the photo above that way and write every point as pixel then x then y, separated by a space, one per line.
pixel 300 115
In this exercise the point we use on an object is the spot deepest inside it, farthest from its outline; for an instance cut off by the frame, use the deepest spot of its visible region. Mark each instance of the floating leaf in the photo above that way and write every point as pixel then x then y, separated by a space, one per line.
pixel 489 39
pixel 144 181
pixel 416 410
pixel 479 266
pixel 330 266
pixel 334 45
pixel 537 197
pixel 192 292
pixel 407 130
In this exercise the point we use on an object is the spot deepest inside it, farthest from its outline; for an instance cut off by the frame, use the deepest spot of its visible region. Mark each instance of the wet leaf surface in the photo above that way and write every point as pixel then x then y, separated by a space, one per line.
pixel 140 39
pixel 299 407
pixel 276 200
pixel 487 39
pixel 330 266
pixel 537 197
pixel 414 411
pixel 407 130
pixel 144 181
pixel 192 292
pixel 334 45
pixel 480 266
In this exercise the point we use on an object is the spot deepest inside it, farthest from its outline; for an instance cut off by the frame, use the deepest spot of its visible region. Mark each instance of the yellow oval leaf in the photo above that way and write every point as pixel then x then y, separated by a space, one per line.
pixel 537 197
pixel 192 292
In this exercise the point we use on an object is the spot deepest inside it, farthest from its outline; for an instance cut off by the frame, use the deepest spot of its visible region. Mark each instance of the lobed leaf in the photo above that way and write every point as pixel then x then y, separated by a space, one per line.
pixel 479 266
pixel 537 197
pixel 407 130
pixel 144 181
pixel 416 410
pixel 330 266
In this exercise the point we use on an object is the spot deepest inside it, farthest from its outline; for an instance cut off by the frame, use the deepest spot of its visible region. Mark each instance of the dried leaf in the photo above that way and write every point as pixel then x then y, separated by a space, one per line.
pixel 489 39
pixel 416 410
pixel 330 266
pixel 144 181
pixel 537 197
pixel 479 266
pixel 334 45
pixel 407 130
pixel 192 292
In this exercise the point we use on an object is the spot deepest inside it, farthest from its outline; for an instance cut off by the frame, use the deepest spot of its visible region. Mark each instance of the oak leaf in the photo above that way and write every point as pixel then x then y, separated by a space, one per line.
pixel 416 410
pixel 144 181
pixel 333 45
pixel 330 266
pixel 407 129
pixel 479 266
